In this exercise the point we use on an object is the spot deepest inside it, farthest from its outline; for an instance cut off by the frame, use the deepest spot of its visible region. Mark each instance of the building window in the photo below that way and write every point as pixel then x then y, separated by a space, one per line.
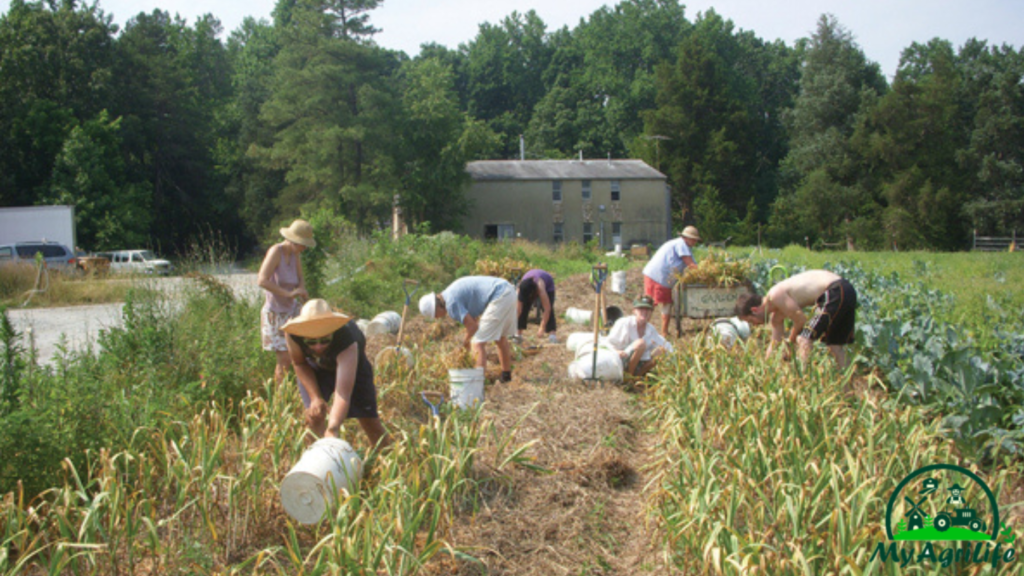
pixel 556 190
pixel 617 233
pixel 499 231
pixel 558 237
pixel 588 232
pixel 615 190
pixel 586 189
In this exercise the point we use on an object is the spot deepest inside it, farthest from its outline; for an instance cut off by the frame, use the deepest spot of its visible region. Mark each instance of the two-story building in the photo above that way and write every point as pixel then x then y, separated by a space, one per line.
pixel 621 202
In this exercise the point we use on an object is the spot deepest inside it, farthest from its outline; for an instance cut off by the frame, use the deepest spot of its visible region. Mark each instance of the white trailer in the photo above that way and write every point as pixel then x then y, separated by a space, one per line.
pixel 36 223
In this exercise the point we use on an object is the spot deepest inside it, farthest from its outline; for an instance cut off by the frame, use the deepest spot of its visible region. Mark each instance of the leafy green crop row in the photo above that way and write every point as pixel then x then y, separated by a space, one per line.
pixel 972 373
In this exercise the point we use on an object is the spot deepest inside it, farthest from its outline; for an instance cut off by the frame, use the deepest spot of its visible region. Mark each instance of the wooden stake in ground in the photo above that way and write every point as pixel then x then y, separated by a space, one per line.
pixel 598 274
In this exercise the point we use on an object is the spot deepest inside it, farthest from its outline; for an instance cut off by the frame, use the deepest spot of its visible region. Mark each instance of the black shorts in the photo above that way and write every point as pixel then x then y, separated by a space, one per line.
pixel 362 404
pixel 834 315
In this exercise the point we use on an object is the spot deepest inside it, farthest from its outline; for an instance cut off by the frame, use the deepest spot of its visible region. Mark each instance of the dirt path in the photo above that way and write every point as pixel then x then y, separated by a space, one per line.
pixel 587 516
pixel 77 327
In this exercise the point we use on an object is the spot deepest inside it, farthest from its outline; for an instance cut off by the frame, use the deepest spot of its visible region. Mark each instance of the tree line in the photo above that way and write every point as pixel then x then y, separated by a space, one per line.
pixel 163 129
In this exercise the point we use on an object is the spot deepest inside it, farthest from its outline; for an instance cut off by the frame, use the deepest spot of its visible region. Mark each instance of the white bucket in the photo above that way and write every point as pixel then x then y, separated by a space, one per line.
pixel 467 386
pixel 619 282
pixel 392 320
pixel 306 490
pixel 362 323
pixel 578 316
pixel 375 328
pixel 388 355
pixel 729 330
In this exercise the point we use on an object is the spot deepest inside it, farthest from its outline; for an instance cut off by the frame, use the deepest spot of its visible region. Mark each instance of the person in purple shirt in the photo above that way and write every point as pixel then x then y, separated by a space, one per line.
pixel 537 286
pixel 486 306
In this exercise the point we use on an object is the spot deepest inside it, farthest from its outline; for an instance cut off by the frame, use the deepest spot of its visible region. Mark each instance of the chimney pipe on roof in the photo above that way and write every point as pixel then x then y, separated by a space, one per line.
pixel 522 148
pixel 581 155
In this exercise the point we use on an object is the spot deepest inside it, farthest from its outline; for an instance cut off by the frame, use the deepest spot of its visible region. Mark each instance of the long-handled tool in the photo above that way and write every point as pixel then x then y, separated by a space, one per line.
pixel 598 274
pixel 435 407
pixel 405 309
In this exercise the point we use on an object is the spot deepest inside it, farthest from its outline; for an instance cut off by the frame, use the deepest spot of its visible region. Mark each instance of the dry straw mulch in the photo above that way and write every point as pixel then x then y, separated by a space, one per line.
pixel 586 516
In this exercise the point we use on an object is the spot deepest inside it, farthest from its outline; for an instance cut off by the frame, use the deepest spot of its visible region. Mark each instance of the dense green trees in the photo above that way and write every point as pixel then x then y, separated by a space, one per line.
pixel 164 129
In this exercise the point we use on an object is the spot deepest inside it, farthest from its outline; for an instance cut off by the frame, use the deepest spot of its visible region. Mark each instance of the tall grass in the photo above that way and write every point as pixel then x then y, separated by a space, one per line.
pixel 766 467
pixel 19 287
pixel 165 449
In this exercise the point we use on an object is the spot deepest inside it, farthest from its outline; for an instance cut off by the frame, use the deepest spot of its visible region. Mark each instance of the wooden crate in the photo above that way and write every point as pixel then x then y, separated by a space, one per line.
pixel 640 251
pixel 700 301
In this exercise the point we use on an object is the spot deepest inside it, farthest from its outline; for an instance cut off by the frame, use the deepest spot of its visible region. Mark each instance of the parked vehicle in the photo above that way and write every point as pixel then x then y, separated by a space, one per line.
pixel 137 261
pixel 55 254
pixel 32 223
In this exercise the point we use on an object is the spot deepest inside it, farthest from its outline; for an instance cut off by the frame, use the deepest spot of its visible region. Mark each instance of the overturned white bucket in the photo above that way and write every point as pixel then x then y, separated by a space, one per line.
pixel 391 320
pixel 729 330
pixel 376 328
pixel 391 353
pixel 306 490
pixel 578 316
pixel 619 282
pixel 467 386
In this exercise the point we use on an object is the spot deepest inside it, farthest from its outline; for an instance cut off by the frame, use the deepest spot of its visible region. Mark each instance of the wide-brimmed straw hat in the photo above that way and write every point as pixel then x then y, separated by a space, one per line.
pixel 300 232
pixel 691 233
pixel 316 320
pixel 644 301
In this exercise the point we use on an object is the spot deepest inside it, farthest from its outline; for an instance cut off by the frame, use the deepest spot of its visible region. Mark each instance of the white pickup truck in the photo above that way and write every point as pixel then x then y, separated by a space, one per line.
pixel 137 261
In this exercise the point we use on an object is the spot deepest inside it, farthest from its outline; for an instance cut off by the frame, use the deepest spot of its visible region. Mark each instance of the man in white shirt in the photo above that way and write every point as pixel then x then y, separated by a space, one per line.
pixel 638 343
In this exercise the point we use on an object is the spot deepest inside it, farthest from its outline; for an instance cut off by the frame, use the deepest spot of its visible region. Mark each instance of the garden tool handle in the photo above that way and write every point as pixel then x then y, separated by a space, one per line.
pixel 405 288
pixel 434 408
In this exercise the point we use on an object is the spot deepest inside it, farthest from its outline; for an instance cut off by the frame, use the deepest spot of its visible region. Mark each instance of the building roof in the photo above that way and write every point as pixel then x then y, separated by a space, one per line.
pixel 562 170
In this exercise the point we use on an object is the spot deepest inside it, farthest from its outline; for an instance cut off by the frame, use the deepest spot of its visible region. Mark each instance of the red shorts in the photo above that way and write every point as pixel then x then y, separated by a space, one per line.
pixel 659 293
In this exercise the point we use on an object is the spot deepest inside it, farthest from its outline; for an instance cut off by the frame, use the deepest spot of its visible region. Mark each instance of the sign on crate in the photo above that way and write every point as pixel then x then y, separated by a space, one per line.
pixel 699 301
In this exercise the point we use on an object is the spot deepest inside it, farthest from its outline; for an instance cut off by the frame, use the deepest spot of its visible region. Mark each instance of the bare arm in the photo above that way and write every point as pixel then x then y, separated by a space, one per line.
pixel 782 306
pixel 472 325
pixel 545 304
pixel 344 381
pixel 307 379
pixel 688 261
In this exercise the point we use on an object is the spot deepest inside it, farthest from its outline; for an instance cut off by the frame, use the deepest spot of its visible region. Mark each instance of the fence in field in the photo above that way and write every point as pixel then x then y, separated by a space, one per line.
pixel 995 243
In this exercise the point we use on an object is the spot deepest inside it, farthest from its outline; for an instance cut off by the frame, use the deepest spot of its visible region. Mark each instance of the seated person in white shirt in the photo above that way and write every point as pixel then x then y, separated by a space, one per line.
pixel 638 343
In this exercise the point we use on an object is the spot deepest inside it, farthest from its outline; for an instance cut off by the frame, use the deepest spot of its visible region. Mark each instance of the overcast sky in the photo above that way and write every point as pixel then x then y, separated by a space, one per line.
pixel 882 28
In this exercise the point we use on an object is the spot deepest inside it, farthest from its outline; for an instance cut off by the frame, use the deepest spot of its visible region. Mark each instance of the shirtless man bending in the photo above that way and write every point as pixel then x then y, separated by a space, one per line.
pixel 835 309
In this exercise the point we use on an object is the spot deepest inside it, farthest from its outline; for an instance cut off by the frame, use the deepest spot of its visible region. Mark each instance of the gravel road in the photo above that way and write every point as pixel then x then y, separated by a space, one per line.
pixel 80 325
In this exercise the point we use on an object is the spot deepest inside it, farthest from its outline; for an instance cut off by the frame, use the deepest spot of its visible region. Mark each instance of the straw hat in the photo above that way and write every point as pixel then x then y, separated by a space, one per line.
pixel 691 233
pixel 300 232
pixel 317 319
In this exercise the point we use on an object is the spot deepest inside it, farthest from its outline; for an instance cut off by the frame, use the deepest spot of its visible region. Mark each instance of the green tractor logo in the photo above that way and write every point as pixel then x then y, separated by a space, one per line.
pixel 936 507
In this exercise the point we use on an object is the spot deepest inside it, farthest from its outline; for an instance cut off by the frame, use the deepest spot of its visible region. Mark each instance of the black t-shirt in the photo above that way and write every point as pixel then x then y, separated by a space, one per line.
pixel 342 338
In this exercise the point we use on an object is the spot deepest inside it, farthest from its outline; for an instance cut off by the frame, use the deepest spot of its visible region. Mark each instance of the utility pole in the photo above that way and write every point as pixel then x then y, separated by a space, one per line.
pixel 657 148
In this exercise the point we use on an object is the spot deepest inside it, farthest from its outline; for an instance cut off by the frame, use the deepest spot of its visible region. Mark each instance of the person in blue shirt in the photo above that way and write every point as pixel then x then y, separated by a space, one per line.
pixel 660 273
pixel 486 306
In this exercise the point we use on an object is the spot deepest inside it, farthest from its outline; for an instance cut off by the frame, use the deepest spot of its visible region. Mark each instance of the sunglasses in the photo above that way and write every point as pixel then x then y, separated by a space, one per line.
pixel 318 341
